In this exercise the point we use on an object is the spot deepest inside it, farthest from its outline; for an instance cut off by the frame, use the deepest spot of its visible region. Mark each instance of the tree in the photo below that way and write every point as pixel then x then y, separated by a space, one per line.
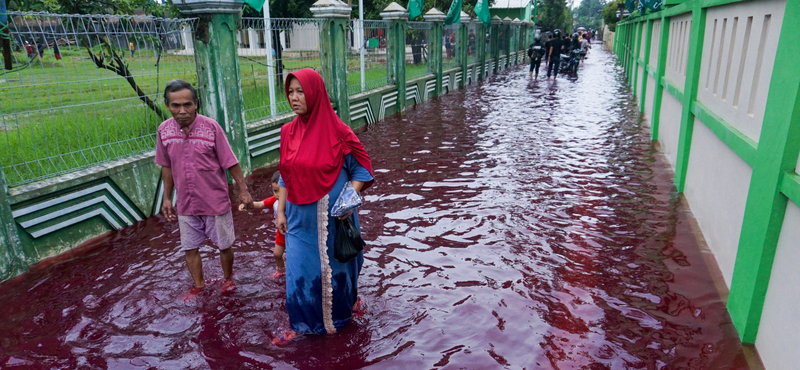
pixel 373 8
pixel 92 6
pixel 555 15
pixel 283 9
pixel 610 13
pixel 589 13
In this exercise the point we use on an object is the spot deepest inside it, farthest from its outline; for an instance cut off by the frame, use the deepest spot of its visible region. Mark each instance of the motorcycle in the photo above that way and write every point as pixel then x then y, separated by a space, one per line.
pixel 569 63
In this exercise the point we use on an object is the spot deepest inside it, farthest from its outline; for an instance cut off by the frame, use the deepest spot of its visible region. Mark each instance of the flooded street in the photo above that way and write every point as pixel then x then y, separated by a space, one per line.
pixel 513 224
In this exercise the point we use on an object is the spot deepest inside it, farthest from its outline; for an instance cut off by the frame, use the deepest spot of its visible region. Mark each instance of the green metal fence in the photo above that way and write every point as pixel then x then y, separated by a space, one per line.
pixel 294 45
pixel 417 36
pixel 85 90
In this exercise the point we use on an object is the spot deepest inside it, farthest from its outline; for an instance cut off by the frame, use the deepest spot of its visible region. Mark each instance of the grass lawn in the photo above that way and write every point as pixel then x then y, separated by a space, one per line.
pixel 61 115
pixel 57 116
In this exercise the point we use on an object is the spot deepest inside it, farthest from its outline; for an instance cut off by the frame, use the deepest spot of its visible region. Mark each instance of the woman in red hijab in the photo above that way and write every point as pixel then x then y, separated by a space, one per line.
pixel 319 154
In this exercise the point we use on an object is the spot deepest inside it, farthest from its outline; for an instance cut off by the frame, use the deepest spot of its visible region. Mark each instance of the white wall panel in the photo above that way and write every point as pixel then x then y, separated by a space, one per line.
pixel 642 38
pixel 739 49
pixel 639 82
pixel 717 183
pixel 779 332
pixel 680 28
pixel 669 126
pixel 648 98
pixel 654 43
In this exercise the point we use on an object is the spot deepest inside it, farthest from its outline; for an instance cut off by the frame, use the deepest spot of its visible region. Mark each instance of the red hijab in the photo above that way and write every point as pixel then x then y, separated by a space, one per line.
pixel 313 145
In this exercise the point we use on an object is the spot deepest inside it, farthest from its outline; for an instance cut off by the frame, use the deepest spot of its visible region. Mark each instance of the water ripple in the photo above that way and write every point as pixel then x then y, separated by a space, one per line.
pixel 514 224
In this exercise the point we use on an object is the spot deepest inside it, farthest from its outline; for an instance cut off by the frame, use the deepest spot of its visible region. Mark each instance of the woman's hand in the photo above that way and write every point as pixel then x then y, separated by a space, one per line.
pixel 346 215
pixel 280 222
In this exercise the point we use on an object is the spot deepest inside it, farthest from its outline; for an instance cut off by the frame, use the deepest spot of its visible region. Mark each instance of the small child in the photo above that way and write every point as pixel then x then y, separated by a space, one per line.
pixel 280 239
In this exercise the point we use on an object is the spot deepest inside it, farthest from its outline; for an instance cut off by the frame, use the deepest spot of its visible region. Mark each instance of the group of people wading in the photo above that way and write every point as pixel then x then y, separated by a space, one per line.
pixel 319 154
pixel 551 49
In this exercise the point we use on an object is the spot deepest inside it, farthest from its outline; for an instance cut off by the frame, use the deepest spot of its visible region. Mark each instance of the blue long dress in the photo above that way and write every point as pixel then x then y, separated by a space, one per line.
pixel 320 291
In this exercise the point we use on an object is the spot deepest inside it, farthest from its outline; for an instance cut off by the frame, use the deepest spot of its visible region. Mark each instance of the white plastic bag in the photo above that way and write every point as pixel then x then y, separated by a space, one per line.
pixel 348 200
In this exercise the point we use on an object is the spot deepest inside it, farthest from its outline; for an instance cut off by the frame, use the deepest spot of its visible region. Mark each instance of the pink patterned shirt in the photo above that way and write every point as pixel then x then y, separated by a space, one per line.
pixel 198 161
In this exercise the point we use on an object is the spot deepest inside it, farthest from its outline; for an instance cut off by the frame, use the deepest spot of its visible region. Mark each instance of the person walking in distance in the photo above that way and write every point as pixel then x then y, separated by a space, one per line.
pixel 535 52
pixel 554 54
pixel 193 152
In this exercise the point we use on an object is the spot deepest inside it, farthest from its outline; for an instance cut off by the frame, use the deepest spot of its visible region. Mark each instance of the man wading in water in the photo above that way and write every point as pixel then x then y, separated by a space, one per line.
pixel 194 153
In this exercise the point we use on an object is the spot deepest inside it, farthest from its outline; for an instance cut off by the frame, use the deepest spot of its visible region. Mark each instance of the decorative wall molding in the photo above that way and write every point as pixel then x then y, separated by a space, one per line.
pixel 362 109
pixel 102 195
pixel 387 100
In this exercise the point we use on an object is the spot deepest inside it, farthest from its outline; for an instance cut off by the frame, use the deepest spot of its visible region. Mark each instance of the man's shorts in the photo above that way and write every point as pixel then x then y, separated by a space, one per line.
pixel 195 230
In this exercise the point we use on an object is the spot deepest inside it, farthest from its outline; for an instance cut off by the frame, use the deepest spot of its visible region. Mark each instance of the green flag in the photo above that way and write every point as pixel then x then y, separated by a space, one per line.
pixel 256 4
pixel 654 5
pixel 631 5
pixel 454 15
pixel 414 8
pixel 482 11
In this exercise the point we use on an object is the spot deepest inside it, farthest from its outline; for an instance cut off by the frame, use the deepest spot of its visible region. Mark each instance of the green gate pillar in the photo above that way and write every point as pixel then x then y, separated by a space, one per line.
pixel 635 57
pixel 12 256
pixel 218 77
pixel 462 47
pixel 646 59
pixel 527 33
pixel 497 23
pixel 333 44
pixel 480 49
pixel 517 37
pixel 508 40
pixel 396 49
pixel 435 46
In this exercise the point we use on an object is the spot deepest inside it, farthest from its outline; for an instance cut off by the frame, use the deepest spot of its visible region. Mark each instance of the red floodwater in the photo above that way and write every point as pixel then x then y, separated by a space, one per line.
pixel 513 224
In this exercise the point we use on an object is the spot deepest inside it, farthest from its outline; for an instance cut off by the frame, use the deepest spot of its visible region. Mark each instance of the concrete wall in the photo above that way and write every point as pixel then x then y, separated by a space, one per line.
pixel 669 126
pixel 738 58
pixel 734 164
pixel 678 49
pixel 777 340
pixel 608 38
pixel 716 188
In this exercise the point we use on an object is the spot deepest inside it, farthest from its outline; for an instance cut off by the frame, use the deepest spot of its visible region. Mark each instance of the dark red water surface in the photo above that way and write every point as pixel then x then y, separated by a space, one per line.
pixel 514 224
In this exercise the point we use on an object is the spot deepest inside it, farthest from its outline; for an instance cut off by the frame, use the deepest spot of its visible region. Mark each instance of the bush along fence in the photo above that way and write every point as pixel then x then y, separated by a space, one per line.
pixel 714 79
pixel 82 101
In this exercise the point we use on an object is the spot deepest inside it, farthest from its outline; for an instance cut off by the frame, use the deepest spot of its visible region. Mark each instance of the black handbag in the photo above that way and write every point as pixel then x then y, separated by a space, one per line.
pixel 348 241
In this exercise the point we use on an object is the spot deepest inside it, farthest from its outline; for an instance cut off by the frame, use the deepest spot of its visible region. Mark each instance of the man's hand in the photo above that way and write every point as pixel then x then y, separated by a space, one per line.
pixel 168 210
pixel 280 222
pixel 245 199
